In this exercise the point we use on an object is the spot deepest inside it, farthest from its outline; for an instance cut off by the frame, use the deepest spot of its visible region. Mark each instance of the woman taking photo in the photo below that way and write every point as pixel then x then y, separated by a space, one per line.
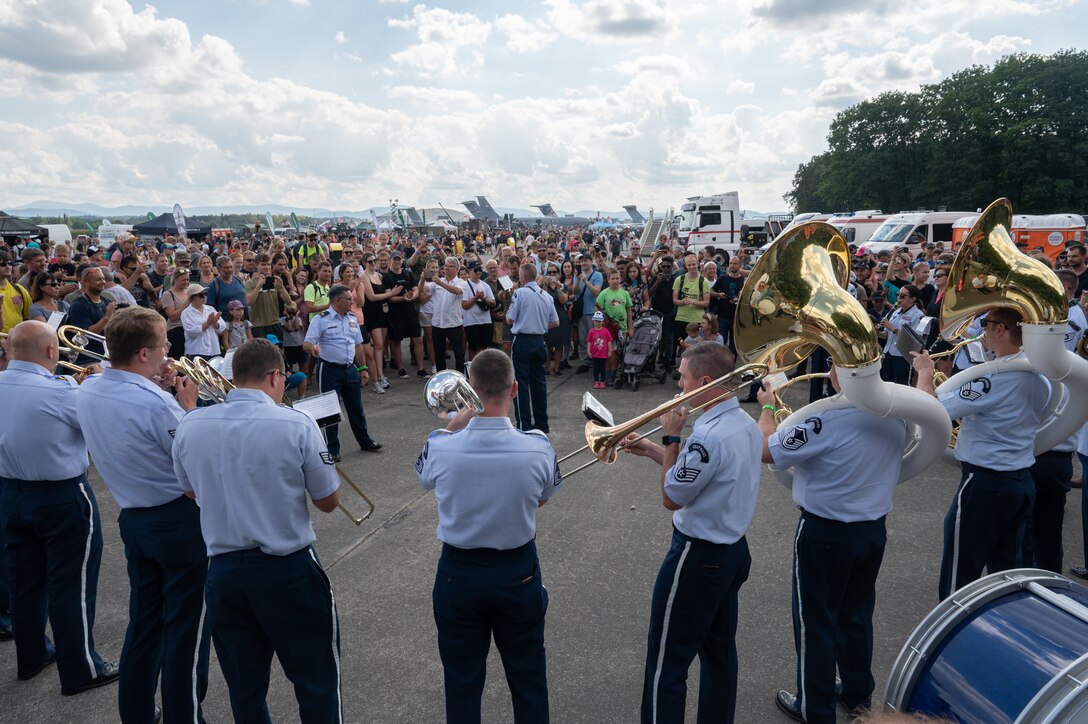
pixel 908 311
pixel 557 336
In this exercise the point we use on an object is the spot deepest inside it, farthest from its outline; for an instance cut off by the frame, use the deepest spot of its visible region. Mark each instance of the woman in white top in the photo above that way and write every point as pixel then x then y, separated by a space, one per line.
pixel 202 325
pixel 426 308
pixel 908 310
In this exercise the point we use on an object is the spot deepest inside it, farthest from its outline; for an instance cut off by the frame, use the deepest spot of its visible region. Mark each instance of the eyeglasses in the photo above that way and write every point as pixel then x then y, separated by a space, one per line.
pixel 940 275
pixel 281 373
pixel 52 284
pixel 984 322
pixel 164 345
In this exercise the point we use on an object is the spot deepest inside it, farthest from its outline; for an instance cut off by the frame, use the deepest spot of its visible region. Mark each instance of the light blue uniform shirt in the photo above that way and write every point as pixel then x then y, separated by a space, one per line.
pixel 488 509
pixel 1000 415
pixel 251 464
pixel 40 437
pixel 846 463
pixel 897 319
pixel 716 476
pixel 961 361
pixel 531 310
pixel 129 423
pixel 337 335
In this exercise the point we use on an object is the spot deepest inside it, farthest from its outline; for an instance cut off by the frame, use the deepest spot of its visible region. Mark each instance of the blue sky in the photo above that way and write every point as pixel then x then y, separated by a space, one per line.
pixel 584 104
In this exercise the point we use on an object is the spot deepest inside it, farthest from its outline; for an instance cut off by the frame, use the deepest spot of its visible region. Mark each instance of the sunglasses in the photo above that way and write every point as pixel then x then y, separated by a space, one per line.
pixel 5 263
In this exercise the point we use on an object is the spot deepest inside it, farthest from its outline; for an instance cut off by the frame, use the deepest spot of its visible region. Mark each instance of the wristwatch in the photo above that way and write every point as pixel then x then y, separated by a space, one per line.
pixel 670 440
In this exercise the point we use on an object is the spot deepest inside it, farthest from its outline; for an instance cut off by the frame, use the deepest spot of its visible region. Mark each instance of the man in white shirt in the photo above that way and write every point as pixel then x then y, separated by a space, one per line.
pixel 451 298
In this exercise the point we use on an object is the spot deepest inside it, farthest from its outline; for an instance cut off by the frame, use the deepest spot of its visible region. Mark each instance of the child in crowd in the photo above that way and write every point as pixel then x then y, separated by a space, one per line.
pixel 708 329
pixel 239 329
pixel 693 337
pixel 294 356
pixel 599 341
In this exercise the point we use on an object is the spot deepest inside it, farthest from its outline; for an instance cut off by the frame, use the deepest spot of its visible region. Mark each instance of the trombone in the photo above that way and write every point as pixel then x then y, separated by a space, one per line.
pixel 344 477
pixel 80 372
pixel 76 339
pixel 604 442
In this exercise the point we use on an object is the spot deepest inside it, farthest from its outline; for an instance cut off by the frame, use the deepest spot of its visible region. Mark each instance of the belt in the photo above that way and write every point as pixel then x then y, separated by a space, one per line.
pixel 1056 453
pixel 813 516
pixel 484 554
pixel 258 554
pixel 529 334
pixel 701 541
pixel 42 484
pixel 340 365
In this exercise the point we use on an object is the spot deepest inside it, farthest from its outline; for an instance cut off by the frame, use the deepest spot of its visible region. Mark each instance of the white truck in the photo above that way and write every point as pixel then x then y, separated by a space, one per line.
pixel 713 220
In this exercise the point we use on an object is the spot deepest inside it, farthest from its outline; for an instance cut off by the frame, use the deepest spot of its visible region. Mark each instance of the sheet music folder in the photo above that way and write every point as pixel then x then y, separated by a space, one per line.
pixel 324 409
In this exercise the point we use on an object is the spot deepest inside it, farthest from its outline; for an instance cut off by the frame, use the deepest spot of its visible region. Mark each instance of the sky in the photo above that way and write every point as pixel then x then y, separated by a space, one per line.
pixel 584 104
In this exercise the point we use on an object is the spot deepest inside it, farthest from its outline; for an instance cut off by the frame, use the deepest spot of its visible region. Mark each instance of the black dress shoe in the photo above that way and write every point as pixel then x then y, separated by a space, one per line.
pixel 108 675
pixel 371 445
pixel 335 458
pixel 28 675
pixel 6 634
pixel 787 704
pixel 1079 572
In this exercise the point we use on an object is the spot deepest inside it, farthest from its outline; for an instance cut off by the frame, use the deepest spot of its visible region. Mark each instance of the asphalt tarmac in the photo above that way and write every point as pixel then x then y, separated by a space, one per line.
pixel 601 541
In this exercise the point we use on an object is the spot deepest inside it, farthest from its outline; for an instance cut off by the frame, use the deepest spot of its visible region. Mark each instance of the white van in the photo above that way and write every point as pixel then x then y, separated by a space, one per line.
pixel 58 233
pixel 858 227
pixel 912 229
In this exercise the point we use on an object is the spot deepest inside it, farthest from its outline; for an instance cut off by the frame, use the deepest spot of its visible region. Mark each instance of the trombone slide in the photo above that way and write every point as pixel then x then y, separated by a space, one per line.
pixel 344 477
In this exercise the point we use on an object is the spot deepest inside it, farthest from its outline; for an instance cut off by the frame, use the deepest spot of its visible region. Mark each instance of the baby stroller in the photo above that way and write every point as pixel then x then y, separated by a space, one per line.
pixel 640 352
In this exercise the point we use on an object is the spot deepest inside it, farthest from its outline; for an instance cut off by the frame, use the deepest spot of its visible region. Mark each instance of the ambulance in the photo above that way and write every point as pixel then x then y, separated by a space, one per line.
pixel 1049 232
pixel 858 227
pixel 912 229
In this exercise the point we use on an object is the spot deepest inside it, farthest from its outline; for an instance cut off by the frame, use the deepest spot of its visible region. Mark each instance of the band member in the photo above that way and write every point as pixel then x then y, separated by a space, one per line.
pixel 531 315
pixel 999 416
pixel 267 593
pixel 488 581
pixel 844 499
pixel 711 483
pixel 49 516
pixel 335 340
pixel 129 421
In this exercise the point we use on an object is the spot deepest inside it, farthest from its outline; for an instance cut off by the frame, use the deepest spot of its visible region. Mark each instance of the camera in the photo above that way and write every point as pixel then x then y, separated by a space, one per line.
pixel 269 283
pixel 428 275
pixel 122 305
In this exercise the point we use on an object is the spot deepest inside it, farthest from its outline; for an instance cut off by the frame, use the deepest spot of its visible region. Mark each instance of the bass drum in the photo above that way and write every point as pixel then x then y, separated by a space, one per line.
pixel 1010 647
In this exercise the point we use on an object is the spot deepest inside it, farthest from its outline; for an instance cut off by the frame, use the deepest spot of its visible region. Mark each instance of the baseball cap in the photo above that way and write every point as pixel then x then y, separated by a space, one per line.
pixel 877 295
pixel 93 250
pixel 598 316
pixel 235 304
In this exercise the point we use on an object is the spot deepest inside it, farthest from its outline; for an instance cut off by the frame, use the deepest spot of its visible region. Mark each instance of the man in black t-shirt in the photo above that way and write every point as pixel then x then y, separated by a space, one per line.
pixel 661 301
pixel 403 316
pixel 728 286
pixel 1077 262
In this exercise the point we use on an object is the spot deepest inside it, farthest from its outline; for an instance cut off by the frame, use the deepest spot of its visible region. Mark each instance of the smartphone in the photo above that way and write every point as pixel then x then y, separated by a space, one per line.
pixel 428 275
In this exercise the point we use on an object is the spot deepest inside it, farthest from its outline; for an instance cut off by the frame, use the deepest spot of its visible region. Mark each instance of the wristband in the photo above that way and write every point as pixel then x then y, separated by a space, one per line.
pixel 361 368
pixel 772 408
pixel 670 440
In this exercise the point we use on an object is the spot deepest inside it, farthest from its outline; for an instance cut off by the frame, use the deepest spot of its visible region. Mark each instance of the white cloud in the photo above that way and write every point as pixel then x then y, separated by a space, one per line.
pixel 740 88
pixel 670 66
pixel 523 36
pixel 340 37
pixel 448 98
pixel 612 20
pixel 449 43
pixel 353 57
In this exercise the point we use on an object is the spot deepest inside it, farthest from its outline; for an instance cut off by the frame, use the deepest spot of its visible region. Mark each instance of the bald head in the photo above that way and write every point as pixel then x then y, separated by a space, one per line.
pixel 34 342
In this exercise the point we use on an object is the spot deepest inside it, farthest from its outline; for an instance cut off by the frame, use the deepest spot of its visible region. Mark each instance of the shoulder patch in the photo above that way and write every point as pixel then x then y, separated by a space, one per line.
pixel 704 456
pixel 323 314
pixel 558 477
pixel 795 439
pixel 816 423
pixel 975 389
pixel 326 457
pixel 422 459
pixel 172 433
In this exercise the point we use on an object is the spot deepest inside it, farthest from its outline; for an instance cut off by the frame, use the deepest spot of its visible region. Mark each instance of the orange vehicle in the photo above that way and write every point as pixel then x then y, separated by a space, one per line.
pixel 1049 232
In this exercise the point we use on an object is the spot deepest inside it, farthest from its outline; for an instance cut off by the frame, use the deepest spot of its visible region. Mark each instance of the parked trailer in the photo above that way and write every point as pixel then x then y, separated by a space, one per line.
pixel 1049 232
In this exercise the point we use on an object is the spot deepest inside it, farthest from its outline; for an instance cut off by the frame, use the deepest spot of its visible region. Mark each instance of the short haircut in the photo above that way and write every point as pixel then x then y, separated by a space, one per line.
pixel 528 272
pixel 87 272
pixel 1011 319
pixel 30 254
pixel 1067 276
pixel 1077 247
pixel 130 330
pixel 125 261
pixel 491 374
pixel 262 258
pixel 254 359
pixel 222 261
pixel 4 255
pixel 338 290
pixel 62 247
pixel 708 359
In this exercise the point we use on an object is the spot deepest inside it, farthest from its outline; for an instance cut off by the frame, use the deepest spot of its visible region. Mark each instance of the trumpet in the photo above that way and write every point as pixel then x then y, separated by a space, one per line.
pixel 604 442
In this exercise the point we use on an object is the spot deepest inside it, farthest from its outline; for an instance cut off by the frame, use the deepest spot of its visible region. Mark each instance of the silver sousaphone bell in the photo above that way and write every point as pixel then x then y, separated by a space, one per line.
pixel 448 393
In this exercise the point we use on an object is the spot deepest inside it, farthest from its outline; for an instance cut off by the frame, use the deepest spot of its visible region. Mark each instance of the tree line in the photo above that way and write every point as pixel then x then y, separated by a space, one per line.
pixel 1018 129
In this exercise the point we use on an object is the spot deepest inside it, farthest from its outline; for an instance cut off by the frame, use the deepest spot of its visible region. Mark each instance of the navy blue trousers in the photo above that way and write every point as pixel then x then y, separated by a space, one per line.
pixel 480 593
pixel 694 613
pixel 53 537
pixel 835 566
pixel 529 353
pixel 1052 474
pixel 893 369
pixel 985 525
pixel 345 380
pixel 260 605
pixel 167 567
